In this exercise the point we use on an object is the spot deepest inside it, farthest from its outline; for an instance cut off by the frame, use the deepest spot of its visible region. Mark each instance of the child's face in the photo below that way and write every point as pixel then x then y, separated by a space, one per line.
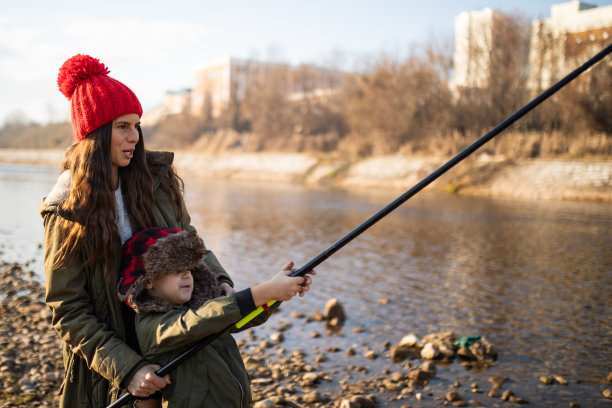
pixel 174 287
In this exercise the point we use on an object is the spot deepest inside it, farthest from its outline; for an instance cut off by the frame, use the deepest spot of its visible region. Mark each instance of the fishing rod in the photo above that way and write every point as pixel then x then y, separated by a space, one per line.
pixel 335 247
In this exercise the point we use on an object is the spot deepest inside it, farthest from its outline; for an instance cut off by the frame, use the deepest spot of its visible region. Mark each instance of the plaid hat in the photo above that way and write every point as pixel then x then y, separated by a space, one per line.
pixel 95 98
pixel 154 252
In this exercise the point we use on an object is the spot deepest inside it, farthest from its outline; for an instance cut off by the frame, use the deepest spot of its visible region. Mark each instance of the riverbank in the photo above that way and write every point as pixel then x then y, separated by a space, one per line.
pixel 481 175
pixel 430 371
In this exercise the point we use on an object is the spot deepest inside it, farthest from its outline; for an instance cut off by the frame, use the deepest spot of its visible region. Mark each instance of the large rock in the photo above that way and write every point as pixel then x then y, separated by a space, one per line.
pixel 401 353
pixel 430 351
pixel 429 367
pixel 410 340
pixel 480 349
pixel 358 401
pixel 334 310
pixel 438 345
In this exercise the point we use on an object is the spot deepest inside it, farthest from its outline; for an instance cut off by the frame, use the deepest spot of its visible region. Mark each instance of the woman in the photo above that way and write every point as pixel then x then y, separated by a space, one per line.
pixel 109 188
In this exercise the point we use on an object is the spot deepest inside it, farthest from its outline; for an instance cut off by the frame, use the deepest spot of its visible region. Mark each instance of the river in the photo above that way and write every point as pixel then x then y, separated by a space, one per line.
pixel 534 277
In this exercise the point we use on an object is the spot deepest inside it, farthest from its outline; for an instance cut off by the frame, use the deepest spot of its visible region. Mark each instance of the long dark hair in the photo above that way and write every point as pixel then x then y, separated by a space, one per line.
pixel 89 214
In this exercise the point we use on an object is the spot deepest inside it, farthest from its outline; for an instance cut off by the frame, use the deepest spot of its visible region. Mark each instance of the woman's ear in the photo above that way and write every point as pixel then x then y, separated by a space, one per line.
pixel 148 285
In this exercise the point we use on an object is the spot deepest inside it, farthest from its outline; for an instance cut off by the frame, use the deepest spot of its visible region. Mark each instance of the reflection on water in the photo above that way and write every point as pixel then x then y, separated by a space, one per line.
pixel 535 277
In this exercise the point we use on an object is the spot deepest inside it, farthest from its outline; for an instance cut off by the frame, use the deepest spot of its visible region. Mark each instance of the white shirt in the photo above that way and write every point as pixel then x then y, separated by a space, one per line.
pixel 123 221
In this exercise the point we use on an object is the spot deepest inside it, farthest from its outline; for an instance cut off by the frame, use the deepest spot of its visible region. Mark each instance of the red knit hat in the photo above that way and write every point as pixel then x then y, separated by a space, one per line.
pixel 95 98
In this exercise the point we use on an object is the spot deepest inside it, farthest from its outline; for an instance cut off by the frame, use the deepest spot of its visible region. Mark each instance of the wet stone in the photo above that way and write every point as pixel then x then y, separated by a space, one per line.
pixel 547 379
pixel 334 310
pixel 452 396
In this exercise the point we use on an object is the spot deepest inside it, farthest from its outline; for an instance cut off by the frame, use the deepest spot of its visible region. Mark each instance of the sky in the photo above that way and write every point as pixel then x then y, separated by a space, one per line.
pixel 157 46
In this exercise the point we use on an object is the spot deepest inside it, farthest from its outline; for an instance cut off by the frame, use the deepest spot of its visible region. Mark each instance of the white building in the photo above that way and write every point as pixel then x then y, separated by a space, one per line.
pixel 174 102
pixel 574 31
pixel 222 81
pixel 217 82
pixel 473 41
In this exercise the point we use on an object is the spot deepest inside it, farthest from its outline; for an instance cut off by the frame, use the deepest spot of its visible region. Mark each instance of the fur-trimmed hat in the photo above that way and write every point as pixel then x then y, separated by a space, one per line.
pixel 95 98
pixel 154 252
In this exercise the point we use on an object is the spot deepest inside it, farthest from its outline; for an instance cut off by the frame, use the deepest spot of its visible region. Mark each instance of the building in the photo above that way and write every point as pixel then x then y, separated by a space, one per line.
pixel 174 102
pixel 223 81
pixel 473 42
pixel 574 31
pixel 218 82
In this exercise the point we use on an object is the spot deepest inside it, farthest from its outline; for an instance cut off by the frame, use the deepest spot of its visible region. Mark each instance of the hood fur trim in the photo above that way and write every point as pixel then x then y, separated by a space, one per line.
pixel 176 252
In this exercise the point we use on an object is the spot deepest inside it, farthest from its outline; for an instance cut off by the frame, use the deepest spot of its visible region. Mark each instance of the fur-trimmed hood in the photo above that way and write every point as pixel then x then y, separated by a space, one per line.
pixel 154 252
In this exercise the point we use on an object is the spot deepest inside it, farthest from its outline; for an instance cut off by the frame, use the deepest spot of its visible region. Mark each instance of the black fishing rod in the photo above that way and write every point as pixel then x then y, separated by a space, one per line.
pixel 320 258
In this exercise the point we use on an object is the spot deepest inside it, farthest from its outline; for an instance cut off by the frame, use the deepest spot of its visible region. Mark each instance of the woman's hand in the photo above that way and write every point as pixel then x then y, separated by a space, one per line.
pixel 145 382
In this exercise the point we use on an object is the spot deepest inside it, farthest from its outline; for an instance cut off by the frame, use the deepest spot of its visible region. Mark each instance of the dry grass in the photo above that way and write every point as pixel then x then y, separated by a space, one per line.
pixel 176 134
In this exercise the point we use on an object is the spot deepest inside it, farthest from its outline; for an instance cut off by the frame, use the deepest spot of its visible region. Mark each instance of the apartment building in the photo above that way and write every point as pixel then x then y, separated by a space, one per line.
pixel 473 41
pixel 574 31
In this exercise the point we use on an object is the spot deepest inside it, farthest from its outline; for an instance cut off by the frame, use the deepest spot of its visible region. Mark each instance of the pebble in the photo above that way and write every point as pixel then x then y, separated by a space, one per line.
pixel 547 379
pixel 453 396
pixel 410 340
pixel 277 338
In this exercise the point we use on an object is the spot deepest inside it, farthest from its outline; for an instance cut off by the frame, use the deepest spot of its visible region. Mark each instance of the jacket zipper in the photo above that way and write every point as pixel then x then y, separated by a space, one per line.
pixel 241 390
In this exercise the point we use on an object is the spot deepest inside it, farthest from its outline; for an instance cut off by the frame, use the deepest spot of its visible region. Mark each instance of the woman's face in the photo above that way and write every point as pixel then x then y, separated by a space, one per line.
pixel 124 137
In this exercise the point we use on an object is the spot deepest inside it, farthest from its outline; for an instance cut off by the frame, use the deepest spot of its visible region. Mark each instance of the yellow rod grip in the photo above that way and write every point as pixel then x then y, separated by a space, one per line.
pixel 253 314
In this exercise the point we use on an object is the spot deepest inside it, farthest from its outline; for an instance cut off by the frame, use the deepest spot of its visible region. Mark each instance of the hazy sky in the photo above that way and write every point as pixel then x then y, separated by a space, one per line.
pixel 154 46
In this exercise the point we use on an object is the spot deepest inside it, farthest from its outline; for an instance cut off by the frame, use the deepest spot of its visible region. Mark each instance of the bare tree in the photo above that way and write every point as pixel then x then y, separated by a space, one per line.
pixel 314 96
pixel 588 101
pixel 499 64
pixel 265 103
pixel 397 103
pixel 509 66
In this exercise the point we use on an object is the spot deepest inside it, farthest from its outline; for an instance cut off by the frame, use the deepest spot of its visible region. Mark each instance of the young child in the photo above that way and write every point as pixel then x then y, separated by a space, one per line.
pixel 178 301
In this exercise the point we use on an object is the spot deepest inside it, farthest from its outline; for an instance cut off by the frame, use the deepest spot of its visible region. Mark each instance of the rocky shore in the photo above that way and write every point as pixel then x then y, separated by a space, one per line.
pixel 400 375
pixel 479 175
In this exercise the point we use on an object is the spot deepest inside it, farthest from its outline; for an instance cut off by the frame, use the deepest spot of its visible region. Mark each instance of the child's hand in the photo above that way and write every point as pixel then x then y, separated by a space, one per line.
pixel 284 286
pixel 307 280
pixel 281 287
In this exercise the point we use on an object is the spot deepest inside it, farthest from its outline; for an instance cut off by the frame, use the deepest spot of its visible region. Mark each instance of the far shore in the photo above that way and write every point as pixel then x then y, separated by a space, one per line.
pixel 480 175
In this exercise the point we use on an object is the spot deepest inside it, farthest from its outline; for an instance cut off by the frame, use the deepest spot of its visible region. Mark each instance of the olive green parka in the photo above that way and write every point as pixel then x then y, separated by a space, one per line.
pixel 213 377
pixel 86 311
